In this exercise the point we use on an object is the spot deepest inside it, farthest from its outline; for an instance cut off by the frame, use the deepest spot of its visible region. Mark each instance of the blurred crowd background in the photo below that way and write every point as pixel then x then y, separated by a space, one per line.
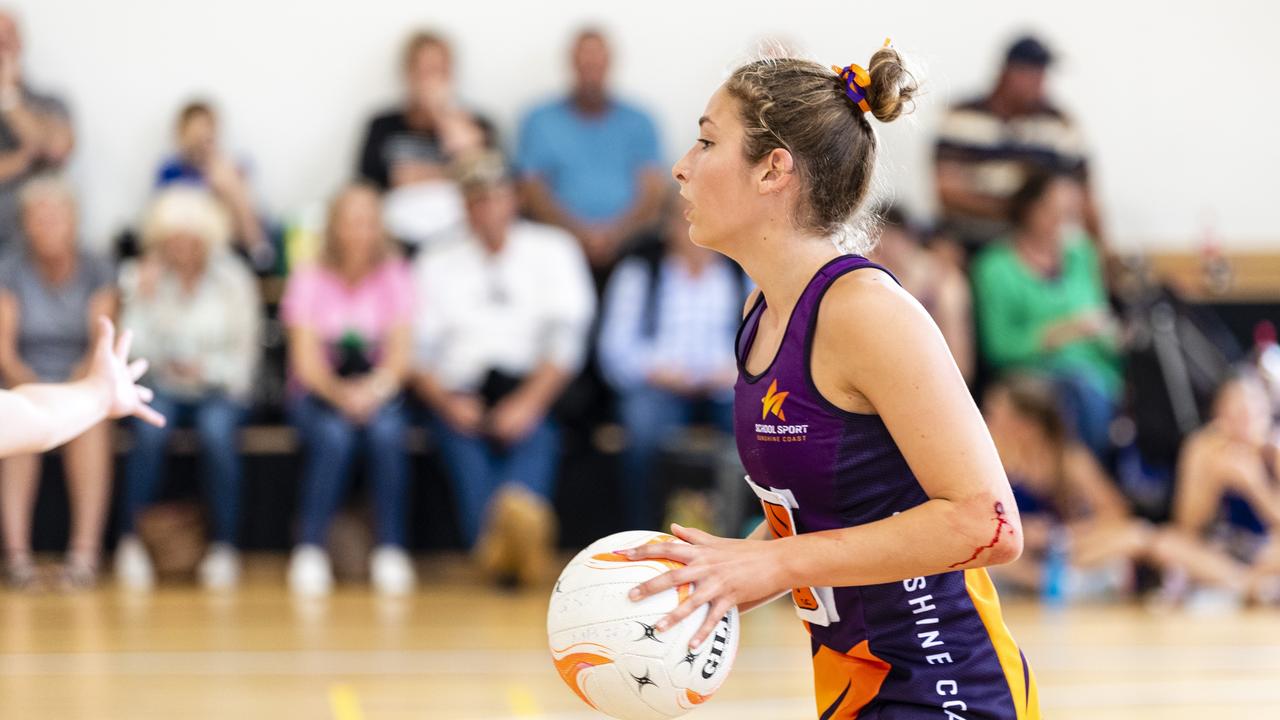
pixel 489 332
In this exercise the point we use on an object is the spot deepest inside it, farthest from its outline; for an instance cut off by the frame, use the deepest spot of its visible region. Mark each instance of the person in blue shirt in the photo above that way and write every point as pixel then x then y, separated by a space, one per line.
pixel 200 160
pixel 589 162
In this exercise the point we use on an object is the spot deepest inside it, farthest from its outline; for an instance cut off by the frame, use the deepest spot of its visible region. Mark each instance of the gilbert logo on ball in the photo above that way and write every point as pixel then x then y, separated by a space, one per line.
pixel 605 646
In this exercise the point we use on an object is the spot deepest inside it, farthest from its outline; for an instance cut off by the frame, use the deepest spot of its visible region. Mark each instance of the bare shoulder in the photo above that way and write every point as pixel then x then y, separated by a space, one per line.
pixel 867 306
pixel 874 342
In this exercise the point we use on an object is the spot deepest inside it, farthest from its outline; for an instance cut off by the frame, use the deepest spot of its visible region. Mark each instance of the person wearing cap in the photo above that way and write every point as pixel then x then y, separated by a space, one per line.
pixel 988 146
pixel 501 328
pixel 197 313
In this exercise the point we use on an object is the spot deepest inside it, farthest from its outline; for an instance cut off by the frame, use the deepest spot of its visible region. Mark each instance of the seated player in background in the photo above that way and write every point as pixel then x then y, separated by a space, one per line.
pixel 1228 489
pixel 502 326
pixel 1070 505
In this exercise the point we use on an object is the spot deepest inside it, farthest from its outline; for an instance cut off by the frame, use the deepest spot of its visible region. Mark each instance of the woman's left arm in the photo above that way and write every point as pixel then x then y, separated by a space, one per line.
pixel 874 341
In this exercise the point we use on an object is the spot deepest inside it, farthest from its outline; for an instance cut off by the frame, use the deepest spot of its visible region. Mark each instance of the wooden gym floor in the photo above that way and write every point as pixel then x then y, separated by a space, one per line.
pixel 457 650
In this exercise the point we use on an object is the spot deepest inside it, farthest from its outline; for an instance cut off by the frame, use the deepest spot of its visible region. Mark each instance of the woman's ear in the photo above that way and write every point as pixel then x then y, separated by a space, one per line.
pixel 777 171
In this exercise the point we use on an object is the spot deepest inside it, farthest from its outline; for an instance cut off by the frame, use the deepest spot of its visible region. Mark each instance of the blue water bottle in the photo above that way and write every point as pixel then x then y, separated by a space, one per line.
pixel 1053 590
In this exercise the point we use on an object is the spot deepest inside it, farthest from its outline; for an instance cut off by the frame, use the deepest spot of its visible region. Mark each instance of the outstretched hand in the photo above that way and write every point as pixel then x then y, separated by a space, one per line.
pixel 725 573
pixel 111 368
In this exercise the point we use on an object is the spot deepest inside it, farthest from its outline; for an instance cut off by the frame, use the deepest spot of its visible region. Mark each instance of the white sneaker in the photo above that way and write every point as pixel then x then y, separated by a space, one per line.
pixel 133 564
pixel 220 568
pixel 391 570
pixel 309 571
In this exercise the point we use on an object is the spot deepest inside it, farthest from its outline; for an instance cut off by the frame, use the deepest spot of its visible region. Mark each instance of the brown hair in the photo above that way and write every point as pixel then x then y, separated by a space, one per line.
pixel 194 109
pixel 420 40
pixel 1037 184
pixel 801 106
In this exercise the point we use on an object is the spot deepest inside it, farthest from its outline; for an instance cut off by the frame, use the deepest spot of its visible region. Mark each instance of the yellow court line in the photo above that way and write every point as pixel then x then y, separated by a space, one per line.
pixel 344 703
pixel 521 701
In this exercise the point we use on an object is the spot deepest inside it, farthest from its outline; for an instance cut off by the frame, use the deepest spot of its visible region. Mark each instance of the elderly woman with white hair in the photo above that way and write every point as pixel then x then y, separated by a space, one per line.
pixel 51 293
pixel 195 310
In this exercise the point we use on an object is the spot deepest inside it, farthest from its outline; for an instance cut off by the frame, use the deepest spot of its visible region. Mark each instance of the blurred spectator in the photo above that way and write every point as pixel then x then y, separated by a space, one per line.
pixel 195 312
pixel 590 162
pixel 51 294
pixel 1069 505
pixel 987 147
pixel 35 129
pixel 1228 487
pixel 670 315
pixel 502 323
pixel 202 161
pixel 348 319
pixel 407 151
pixel 1042 307
pixel 940 287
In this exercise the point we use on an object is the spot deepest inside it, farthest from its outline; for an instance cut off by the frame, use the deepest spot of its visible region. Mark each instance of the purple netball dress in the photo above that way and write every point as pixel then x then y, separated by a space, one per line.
pixel 924 647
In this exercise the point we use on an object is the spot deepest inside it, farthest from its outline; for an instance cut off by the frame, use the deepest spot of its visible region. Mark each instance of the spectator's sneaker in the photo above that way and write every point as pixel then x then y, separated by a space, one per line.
pixel 220 568
pixel 133 564
pixel 309 572
pixel 391 570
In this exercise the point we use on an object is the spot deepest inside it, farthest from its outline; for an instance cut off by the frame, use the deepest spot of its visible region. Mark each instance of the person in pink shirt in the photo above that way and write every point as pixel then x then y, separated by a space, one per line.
pixel 347 319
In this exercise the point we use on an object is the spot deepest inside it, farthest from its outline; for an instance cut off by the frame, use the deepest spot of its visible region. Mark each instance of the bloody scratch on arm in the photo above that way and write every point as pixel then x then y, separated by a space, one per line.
pixel 1001 524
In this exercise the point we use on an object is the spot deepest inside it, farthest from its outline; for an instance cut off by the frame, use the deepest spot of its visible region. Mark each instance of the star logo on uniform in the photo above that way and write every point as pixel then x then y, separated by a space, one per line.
pixel 773 402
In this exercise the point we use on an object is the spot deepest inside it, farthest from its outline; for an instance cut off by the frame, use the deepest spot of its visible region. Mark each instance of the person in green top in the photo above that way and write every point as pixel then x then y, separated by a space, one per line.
pixel 1042 307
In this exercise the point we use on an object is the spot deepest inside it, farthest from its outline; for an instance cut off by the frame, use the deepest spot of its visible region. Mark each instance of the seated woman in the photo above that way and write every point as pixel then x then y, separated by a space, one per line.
pixel 1228 487
pixel 1042 307
pixel 51 294
pixel 348 321
pixel 195 310
pixel 1065 497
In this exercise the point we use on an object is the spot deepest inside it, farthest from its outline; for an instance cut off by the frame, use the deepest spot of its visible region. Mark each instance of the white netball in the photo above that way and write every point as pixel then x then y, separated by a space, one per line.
pixel 605 646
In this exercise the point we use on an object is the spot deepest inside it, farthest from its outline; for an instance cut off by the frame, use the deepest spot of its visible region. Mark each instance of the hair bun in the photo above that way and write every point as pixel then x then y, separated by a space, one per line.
pixel 893 87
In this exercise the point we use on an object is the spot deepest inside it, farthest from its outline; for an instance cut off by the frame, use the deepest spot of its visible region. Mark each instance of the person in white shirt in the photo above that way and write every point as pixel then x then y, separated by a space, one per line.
pixel 501 328
pixel 197 313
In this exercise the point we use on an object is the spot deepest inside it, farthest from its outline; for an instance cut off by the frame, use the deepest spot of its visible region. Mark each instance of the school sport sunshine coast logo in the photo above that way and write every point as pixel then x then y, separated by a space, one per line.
pixel 771 432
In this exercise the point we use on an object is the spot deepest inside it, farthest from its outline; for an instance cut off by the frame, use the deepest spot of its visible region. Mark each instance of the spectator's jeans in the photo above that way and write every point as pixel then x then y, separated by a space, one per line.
pixel 1087 410
pixel 652 417
pixel 330 442
pixel 477 469
pixel 217 420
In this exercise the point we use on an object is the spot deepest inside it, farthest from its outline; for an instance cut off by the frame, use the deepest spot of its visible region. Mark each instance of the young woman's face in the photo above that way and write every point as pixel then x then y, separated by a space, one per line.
pixel 716 179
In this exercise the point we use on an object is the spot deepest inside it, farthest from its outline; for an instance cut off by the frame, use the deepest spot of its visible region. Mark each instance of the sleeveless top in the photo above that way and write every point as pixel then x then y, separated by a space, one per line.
pixel 920 647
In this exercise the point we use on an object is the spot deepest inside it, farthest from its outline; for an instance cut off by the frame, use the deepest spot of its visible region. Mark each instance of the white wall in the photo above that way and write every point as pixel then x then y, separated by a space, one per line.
pixel 1177 100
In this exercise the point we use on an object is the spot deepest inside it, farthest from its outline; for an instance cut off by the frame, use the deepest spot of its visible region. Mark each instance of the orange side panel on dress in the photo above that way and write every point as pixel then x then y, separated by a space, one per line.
pixel 844 684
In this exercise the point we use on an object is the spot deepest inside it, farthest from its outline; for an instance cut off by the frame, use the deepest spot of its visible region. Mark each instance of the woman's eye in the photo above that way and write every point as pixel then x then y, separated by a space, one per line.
pixel 705 143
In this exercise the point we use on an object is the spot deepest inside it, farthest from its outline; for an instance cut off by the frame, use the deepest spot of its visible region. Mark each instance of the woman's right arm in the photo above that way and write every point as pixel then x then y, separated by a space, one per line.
pixel 12 368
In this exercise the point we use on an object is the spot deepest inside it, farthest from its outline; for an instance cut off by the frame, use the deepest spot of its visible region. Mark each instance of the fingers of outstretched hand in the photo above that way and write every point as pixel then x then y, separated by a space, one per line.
pixel 718 610
pixel 665 581
pixel 138 368
pixel 148 414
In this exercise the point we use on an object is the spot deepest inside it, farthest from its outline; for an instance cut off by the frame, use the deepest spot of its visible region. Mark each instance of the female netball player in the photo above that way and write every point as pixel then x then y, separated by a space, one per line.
pixel 883 493
pixel 39 417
